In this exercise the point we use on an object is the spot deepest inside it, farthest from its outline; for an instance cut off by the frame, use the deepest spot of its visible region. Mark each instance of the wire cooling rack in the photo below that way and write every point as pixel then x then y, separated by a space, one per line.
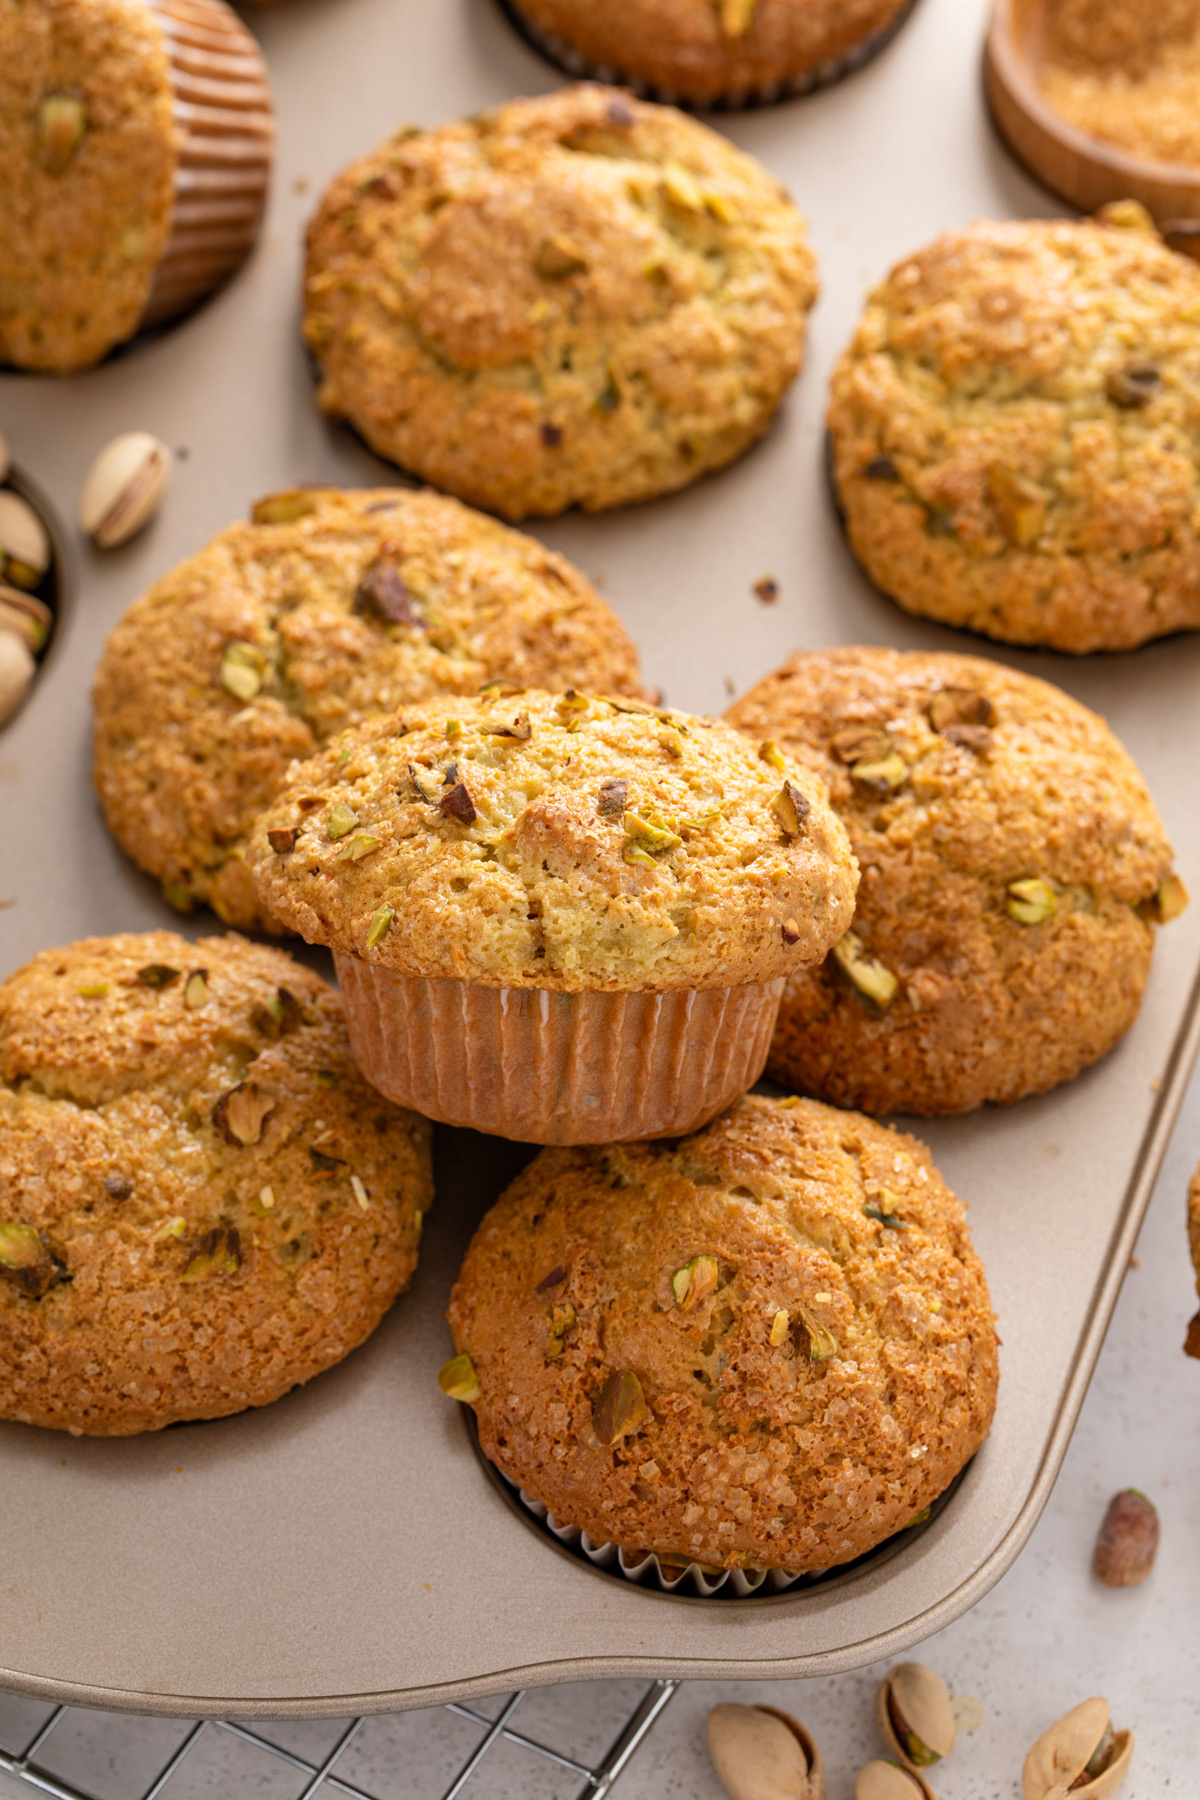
pixel 32 1763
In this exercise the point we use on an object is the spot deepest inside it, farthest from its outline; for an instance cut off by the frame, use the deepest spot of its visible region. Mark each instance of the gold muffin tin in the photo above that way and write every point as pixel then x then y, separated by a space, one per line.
pixel 343 1551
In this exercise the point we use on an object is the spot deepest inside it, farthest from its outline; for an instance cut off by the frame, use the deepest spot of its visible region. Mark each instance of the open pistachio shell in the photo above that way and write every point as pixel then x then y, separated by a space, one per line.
pixel 888 1781
pixel 23 539
pixel 1062 1754
pixel 913 1715
pixel 760 1753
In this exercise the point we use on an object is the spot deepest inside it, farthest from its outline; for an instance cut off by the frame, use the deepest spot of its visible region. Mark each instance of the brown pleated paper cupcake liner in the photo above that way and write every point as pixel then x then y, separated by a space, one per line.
pixel 821 75
pixel 554 1068
pixel 225 121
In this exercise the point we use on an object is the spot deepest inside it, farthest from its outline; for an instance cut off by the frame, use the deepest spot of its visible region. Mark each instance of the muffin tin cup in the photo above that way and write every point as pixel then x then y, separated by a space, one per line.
pixel 821 75
pixel 556 1068
pixel 225 126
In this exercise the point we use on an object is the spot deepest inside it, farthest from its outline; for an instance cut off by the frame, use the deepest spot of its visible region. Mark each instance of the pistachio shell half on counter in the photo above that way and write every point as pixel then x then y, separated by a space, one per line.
pixel 1082 1744
pixel 762 1754
pixel 913 1715
pixel 124 488
pixel 880 1780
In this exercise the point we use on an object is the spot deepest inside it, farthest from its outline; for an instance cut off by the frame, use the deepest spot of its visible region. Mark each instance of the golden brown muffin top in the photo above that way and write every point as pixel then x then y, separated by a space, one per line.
pixel 87 169
pixel 566 842
pixel 186 1147
pixel 936 758
pixel 576 299
pixel 766 1345
pixel 326 606
pixel 710 50
pixel 1016 412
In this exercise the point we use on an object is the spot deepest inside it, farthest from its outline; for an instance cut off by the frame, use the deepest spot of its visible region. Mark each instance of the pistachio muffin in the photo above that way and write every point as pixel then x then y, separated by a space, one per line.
pixel 768 1346
pixel 560 918
pixel 578 300
pixel 136 139
pixel 1013 872
pixel 327 606
pixel 1012 433
pixel 711 52
pixel 202 1202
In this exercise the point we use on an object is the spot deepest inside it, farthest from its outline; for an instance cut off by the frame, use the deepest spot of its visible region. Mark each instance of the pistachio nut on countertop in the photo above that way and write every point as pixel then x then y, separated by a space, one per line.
pixel 914 1716
pixel 124 488
pixel 881 1780
pixel 760 1753
pixel 1081 1755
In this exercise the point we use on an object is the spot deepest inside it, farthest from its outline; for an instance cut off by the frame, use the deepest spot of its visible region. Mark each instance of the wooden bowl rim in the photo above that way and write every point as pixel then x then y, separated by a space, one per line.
pixel 1012 70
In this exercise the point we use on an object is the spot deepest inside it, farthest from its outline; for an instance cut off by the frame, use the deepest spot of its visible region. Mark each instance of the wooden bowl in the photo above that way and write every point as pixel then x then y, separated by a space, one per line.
pixel 1082 169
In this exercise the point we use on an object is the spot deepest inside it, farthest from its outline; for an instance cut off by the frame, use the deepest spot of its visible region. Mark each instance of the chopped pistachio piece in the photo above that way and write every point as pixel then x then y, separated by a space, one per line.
pixel 457 1379
pixel 456 803
pixel 1031 902
pixel 173 1228
pixel 679 187
pixel 861 743
pixel 647 836
pixel 283 839
pixel 327 1078
pixel 881 775
pixel 557 260
pixel 821 1342
pixel 695 1282
pixel 612 798
pixel 874 1210
pixel 500 688
pixel 789 931
pixel 865 973
pixel 1133 386
pixel 378 929
pixel 362 844
pixel 1166 903
pixel 178 895
pixel 195 994
pixel 20 1247
pixel 342 818
pixel 281 509
pixel 518 728
pixel 769 752
pixel 571 702
pixel 158 975
pixel 426 784
pixel 791 808
pixel 561 1318
pixel 219 1252
pixel 95 990
pixel 382 595
pixel 620 1408
pixel 240 1114
pixel 631 854
pixel 671 739
pixel 61 125
pixel 243 670
pixel 779 1327
pixel 1018 503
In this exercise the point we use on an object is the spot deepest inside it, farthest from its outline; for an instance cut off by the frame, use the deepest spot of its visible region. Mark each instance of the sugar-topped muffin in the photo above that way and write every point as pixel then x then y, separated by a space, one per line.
pixel 1014 870
pixel 577 300
pixel 202 1203
pixel 618 877
pixel 326 606
pixel 767 1346
pixel 1012 433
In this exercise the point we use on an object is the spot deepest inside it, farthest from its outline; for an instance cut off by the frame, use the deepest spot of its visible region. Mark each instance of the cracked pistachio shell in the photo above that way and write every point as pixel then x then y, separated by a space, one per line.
pixel 1061 1755
pixel 124 488
pixel 23 537
pixel 17 668
pixel 912 1700
pixel 880 1780
pixel 762 1754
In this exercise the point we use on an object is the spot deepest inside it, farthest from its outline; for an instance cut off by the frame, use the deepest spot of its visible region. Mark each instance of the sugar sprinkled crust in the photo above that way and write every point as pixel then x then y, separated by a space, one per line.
pixel 1020 783
pixel 353 603
pixel 1012 428
pixel 203 1202
pixel 798 1454
pixel 573 300
pixel 80 244
pixel 565 842
pixel 709 50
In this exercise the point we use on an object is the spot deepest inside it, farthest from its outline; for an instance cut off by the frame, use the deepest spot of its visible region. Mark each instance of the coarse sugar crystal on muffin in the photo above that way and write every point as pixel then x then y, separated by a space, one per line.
pixel 573 300
pixel 1012 427
pixel 202 1203
pixel 136 139
pixel 767 1346
pixel 326 606
pixel 711 52
pixel 585 905
pixel 1013 872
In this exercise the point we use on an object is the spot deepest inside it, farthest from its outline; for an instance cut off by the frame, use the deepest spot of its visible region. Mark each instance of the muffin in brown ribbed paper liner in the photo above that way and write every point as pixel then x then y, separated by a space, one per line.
pixel 556 1068
pixel 136 140
pixel 225 125
pixel 759 92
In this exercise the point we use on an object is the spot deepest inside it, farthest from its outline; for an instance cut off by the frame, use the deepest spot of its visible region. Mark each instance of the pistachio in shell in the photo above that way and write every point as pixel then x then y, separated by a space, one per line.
pixel 124 488
pixel 1080 1754
pixel 24 544
pixel 17 669
pixel 760 1753
pixel 880 1780
pixel 25 615
pixel 914 1716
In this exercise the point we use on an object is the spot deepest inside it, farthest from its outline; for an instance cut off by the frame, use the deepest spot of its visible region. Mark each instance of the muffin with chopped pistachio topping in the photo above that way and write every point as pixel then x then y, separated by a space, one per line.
pixel 1012 433
pixel 561 918
pixel 1013 872
pixel 578 300
pixel 768 1346
pixel 711 52
pixel 202 1203
pixel 136 139
pixel 325 607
